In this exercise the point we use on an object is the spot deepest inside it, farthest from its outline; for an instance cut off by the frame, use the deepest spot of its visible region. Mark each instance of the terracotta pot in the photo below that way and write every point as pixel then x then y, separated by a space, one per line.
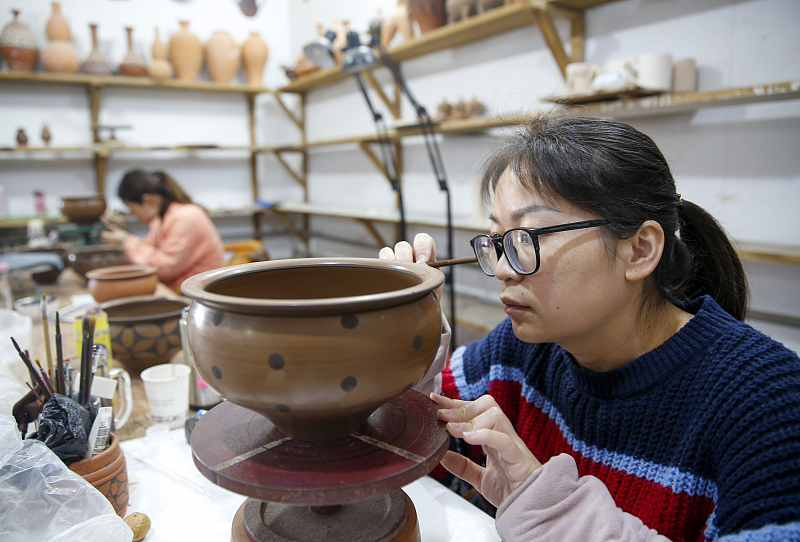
pixel 132 65
pixel 145 330
pixel 46 136
pixel 429 14
pixel 397 21
pixel 160 69
pixel 57 27
pixel 186 53
pixel 223 57
pixel 60 57
pixel 84 259
pixel 22 138
pixel 316 344
pixel 107 471
pixel 107 283
pixel 83 209
pixel 18 45
pixel 255 53
pixel 96 63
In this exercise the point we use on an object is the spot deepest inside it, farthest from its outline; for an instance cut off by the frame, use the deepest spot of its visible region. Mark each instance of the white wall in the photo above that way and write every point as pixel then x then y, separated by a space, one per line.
pixel 741 163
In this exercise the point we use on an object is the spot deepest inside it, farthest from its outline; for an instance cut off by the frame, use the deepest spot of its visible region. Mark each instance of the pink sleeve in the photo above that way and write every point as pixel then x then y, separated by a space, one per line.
pixel 555 504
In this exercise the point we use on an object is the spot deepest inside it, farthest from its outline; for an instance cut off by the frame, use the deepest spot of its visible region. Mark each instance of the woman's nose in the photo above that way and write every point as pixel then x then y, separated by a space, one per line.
pixel 503 270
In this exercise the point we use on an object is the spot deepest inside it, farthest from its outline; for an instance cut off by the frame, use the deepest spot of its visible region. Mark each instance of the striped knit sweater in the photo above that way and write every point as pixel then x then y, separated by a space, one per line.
pixel 699 438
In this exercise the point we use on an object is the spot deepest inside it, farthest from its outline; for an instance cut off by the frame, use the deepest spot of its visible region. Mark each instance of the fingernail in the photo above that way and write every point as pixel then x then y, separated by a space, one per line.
pixel 422 258
pixel 456 425
pixel 470 434
pixel 445 411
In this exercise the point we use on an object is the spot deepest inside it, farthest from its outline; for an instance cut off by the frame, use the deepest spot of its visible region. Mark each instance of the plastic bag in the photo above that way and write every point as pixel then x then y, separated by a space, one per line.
pixel 42 500
pixel 64 427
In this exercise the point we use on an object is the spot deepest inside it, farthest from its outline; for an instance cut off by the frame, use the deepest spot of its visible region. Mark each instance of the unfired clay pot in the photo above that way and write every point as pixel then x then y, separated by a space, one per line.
pixel 255 53
pixel 83 209
pixel 160 69
pixel 107 471
pixel 132 65
pixel 96 63
pixel 60 57
pixel 223 57
pixel 186 53
pixel 18 45
pixel 316 344
pixel 397 21
pixel 57 27
pixel 107 283
pixel 429 14
pixel 145 330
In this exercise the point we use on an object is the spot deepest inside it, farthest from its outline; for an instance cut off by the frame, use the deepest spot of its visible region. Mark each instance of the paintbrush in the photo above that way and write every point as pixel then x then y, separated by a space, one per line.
pixel 87 329
pixel 46 327
pixel 31 369
pixel 455 261
pixel 60 384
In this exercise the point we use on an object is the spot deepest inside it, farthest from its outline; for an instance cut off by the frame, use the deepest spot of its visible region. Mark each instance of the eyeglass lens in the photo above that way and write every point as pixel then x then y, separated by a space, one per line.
pixel 519 247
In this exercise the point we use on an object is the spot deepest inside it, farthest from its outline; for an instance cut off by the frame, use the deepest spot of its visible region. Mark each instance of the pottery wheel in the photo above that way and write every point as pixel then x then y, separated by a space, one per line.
pixel 242 451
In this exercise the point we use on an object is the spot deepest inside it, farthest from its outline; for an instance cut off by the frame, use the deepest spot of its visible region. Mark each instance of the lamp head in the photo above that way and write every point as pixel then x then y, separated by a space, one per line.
pixel 320 51
pixel 357 57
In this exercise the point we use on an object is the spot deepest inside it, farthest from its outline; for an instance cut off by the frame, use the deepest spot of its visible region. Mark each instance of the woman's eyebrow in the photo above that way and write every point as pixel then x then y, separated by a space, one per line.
pixel 522 212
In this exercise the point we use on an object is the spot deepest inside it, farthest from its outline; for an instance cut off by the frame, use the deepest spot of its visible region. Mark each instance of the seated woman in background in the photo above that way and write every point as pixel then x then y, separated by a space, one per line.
pixel 623 398
pixel 182 240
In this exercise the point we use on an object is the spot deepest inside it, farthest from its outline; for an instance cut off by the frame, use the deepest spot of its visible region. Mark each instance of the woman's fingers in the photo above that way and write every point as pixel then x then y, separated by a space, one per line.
pixel 462 467
pixel 423 250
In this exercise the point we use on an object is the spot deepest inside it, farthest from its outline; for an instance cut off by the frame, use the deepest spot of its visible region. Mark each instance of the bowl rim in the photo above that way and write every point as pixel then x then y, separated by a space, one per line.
pixel 121 272
pixel 141 299
pixel 195 287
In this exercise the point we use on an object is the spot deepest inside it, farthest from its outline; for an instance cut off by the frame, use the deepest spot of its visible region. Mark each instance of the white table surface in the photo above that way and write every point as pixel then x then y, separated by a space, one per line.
pixel 187 506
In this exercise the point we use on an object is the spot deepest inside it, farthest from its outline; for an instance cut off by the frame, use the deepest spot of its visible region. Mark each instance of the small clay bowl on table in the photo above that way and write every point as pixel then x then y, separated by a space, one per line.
pixel 86 258
pixel 107 471
pixel 83 210
pixel 315 345
pixel 107 283
pixel 145 330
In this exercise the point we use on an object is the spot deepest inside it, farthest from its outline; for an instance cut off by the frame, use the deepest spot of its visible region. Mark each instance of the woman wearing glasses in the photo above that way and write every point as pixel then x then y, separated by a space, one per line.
pixel 623 398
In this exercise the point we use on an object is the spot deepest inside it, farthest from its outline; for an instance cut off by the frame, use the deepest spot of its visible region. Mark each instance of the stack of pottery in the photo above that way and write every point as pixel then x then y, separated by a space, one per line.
pixel 223 57
pixel 132 64
pixel 96 63
pixel 186 53
pixel 18 46
pixel 254 55
pixel 60 55
pixel 160 69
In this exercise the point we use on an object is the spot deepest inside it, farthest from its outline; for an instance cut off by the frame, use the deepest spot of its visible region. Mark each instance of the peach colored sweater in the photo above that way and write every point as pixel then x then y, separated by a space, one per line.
pixel 181 244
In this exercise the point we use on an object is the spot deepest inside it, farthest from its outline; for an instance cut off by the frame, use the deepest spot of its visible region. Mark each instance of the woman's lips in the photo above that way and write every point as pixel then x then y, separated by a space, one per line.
pixel 512 308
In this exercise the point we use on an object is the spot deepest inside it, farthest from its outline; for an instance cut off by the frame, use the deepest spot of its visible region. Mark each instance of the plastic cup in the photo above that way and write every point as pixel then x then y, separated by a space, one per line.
pixel 167 390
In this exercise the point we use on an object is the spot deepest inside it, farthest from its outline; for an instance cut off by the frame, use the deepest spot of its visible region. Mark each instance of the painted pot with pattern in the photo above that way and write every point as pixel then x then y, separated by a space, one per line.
pixel 107 471
pixel 18 45
pixel 145 330
pixel 315 344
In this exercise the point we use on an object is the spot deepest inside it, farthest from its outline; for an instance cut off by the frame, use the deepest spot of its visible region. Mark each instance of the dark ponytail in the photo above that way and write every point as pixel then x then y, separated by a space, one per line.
pixel 137 182
pixel 613 171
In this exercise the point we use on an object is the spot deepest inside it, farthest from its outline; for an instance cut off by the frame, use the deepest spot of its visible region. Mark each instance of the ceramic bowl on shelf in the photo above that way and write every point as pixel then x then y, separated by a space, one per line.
pixel 83 209
pixel 107 283
pixel 84 259
pixel 315 344
pixel 144 330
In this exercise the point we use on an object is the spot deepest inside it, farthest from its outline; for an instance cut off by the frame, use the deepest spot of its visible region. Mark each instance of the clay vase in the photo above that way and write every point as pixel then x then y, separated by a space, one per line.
pixel 428 14
pixel 107 471
pixel 22 138
pixel 46 137
pixel 18 45
pixel 107 283
pixel 255 53
pixel 303 342
pixel 57 27
pixel 398 21
pixel 132 65
pixel 96 63
pixel 160 69
pixel 60 57
pixel 186 53
pixel 223 57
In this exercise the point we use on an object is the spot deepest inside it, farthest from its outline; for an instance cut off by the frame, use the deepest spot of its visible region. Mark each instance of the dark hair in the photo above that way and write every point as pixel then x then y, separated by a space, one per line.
pixel 138 182
pixel 613 171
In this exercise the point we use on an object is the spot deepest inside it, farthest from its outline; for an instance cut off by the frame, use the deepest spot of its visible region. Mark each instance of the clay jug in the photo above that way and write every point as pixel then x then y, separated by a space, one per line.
pixel 46 137
pixel 398 20
pixel 186 53
pixel 132 64
pixel 428 14
pixel 107 471
pixel 96 63
pixel 60 57
pixel 57 27
pixel 160 69
pixel 255 53
pixel 223 57
pixel 18 46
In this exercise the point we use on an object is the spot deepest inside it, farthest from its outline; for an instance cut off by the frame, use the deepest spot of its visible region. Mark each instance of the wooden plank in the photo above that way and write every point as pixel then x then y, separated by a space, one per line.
pixel 769 253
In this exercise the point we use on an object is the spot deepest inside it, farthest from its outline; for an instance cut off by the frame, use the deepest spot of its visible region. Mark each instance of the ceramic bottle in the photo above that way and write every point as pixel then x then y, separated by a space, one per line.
pixel 255 53
pixel 60 55
pixel 57 27
pixel 186 53
pixel 96 63
pixel 428 14
pixel 132 64
pixel 223 57
pixel 160 69
pixel 18 45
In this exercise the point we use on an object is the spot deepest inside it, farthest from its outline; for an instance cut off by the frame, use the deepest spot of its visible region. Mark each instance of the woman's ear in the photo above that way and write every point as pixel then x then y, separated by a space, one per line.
pixel 643 251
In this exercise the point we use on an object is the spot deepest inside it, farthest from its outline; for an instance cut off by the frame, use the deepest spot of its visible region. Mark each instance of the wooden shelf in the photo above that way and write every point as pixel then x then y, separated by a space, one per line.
pixel 123 81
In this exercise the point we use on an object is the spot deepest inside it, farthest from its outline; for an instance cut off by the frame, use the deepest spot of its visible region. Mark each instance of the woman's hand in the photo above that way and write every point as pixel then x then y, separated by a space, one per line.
pixel 113 235
pixel 509 462
pixel 424 250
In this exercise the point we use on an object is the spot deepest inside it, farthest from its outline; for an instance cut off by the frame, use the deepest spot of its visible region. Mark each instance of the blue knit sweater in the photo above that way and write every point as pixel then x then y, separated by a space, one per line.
pixel 699 438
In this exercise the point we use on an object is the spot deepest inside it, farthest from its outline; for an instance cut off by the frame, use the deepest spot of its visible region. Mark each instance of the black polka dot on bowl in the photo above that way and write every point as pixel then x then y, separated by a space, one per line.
pixel 283 408
pixel 349 321
pixel 217 372
pixel 417 342
pixel 349 383
pixel 276 362
pixel 217 318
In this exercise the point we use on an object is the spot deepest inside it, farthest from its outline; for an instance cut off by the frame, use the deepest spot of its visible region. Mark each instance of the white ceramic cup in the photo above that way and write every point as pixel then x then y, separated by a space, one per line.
pixel 580 76
pixel 167 390
pixel 684 75
pixel 654 71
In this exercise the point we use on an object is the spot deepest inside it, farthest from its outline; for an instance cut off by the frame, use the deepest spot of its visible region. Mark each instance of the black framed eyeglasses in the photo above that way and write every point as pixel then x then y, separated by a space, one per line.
pixel 520 245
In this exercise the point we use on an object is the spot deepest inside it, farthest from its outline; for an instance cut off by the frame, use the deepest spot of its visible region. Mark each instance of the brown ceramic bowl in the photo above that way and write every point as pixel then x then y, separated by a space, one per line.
pixel 316 344
pixel 84 259
pixel 107 283
pixel 145 329
pixel 83 210
pixel 107 472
